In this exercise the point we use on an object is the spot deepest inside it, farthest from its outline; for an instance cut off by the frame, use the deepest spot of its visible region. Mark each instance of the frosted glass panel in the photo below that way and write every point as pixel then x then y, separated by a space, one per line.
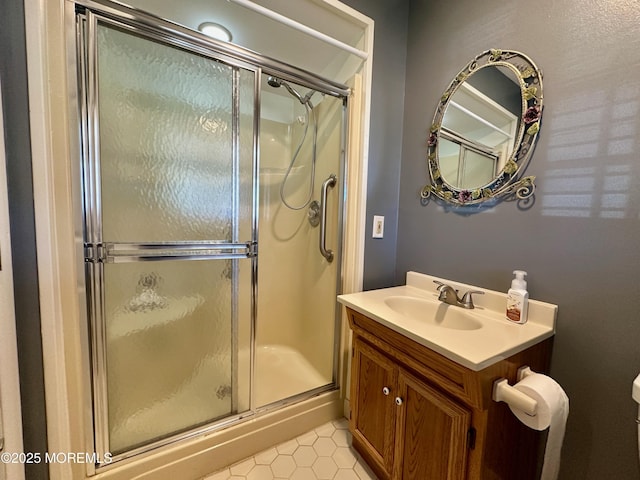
pixel 175 163
pixel 246 145
pixel 479 170
pixel 449 160
pixel 171 347
pixel 166 142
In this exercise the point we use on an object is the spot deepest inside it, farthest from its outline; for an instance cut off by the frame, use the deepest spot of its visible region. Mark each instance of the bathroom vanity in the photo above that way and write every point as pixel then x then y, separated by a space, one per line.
pixel 421 388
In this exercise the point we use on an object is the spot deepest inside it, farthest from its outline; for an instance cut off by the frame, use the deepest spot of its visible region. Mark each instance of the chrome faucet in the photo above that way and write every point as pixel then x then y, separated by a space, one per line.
pixel 449 295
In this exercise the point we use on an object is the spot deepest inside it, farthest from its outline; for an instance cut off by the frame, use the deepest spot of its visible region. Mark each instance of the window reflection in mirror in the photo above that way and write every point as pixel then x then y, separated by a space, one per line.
pixel 479 127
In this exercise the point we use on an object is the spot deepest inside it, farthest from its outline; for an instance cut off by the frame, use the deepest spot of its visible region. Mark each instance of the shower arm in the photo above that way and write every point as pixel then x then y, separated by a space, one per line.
pixel 329 182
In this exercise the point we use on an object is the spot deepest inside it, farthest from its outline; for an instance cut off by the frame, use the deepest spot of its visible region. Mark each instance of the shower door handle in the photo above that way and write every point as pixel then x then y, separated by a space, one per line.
pixel 328 183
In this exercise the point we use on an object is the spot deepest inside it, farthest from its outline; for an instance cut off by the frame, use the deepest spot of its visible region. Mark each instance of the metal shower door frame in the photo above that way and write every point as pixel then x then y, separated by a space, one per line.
pixel 97 253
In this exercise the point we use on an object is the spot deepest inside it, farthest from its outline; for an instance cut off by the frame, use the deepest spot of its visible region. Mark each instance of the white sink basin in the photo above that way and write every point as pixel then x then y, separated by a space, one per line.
pixel 434 313
pixel 475 338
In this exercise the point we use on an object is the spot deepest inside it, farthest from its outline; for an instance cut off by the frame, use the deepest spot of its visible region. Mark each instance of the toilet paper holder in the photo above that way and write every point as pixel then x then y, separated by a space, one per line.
pixel 503 392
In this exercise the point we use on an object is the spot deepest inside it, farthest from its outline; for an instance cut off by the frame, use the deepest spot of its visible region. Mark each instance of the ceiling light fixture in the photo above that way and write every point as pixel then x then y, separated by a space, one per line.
pixel 215 30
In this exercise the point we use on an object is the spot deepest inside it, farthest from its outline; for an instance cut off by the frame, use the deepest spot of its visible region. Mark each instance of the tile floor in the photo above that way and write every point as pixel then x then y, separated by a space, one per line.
pixel 321 454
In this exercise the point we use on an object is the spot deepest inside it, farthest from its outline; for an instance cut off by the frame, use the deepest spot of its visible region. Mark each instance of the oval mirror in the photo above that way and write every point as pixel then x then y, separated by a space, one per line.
pixel 484 130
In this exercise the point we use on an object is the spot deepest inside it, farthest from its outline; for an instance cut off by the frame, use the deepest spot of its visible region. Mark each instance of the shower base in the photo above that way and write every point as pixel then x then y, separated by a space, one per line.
pixel 282 377
pixel 282 372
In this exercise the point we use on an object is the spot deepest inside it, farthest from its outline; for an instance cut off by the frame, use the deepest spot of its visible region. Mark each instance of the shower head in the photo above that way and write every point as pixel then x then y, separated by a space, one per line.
pixel 277 83
pixel 274 82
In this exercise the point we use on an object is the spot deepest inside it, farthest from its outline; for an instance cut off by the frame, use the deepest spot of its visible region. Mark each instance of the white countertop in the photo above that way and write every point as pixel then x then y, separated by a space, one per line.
pixel 497 339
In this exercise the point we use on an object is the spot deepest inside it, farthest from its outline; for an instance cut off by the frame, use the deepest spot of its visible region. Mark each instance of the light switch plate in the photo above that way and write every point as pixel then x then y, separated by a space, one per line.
pixel 378 226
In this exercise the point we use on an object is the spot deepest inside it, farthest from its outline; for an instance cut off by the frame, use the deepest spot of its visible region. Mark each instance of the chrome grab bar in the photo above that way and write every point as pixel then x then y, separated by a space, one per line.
pixel 329 182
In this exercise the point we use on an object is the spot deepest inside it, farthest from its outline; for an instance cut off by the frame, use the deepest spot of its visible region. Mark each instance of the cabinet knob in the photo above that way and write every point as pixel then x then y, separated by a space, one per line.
pixel 398 401
pixel 386 390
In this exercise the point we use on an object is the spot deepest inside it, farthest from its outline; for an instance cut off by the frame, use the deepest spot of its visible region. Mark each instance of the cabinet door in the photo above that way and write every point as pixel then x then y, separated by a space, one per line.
pixel 374 387
pixel 432 433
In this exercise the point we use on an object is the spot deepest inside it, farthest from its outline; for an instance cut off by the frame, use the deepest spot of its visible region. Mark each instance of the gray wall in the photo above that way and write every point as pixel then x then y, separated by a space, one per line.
pixel 385 146
pixel 495 84
pixel 579 241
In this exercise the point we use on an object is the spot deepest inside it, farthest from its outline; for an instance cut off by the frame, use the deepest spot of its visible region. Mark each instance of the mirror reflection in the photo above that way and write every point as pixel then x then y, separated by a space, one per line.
pixel 484 130
pixel 479 127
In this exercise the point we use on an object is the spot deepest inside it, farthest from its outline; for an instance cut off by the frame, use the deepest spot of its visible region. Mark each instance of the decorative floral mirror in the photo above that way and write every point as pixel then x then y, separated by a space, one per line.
pixel 484 131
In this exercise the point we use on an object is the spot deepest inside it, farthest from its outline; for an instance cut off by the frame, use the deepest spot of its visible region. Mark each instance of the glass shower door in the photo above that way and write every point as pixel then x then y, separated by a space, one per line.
pixel 169 234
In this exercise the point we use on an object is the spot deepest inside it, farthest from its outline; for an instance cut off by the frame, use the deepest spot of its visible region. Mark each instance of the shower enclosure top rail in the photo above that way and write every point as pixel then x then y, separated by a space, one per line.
pixel 179 34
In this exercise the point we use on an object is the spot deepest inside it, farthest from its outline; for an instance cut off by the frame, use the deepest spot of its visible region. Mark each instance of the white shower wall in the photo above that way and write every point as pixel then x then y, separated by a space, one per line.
pixel 296 285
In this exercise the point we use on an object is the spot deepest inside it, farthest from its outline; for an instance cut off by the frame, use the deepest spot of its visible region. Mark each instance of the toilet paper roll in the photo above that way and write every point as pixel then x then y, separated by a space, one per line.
pixel 552 413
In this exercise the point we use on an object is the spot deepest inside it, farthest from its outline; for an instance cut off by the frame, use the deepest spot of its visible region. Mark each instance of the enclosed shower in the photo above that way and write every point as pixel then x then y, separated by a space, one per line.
pixel 212 185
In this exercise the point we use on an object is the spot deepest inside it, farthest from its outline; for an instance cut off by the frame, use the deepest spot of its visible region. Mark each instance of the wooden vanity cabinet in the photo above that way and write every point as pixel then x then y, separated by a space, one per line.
pixel 416 415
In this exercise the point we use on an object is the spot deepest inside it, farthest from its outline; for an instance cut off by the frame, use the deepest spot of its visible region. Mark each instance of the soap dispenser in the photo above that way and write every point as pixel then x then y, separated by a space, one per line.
pixel 518 298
